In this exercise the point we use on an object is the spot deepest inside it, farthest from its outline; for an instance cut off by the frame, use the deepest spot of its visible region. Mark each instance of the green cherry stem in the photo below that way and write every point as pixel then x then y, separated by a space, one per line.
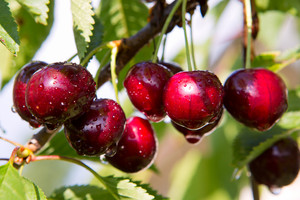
pixel 164 29
pixel 11 142
pixel 87 58
pixel 247 4
pixel 77 162
pixel 188 57
pixel 192 44
pixel 114 51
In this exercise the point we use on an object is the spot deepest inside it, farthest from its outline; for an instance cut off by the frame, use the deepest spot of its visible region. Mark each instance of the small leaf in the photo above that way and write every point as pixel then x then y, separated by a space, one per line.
pixel 14 186
pixel 97 35
pixel 249 144
pixel 37 8
pixel 291 6
pixel 81 192
pixel 82 24
pixel 33 192
pixel 125 188
pixel 10 185
pixel 276 61
pixel 8 29
pixel 290 120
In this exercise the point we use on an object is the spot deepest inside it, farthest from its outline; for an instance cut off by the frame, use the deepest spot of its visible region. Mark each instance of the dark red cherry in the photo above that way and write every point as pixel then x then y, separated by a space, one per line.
pixel 278 166
pixel 19 89
pixel 144 84
pixel 255 97
pixel 58 92
pixel 98 130
pixel 173 67
pixel 193 98
pixel 137 148
pixel 195 136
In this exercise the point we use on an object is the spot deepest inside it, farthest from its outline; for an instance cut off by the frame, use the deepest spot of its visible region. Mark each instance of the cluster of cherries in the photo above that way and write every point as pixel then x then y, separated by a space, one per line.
pixel 64 94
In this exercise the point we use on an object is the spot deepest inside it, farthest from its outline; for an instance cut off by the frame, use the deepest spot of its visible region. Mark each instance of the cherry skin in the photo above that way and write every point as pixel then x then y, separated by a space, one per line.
pixel 193 98
pixel 173 67
pixel 137 148
pixel 19 89
pixel 195 136
pixel 278 166
pixel 144 84
pixel 98 130
pixel 58 92
pixel 255 97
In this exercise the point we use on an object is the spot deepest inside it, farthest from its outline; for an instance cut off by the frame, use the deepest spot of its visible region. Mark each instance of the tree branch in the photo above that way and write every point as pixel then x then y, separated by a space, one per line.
pixel 130 46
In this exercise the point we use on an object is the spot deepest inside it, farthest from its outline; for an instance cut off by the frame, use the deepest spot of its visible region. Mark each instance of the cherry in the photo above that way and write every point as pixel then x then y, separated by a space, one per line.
pixel 98 130
pixel 137 148
pixel 58 92
pixel 195 136
pixel 278 166
pixel 19 89
pixel 255 97
pixel 144 84
pixel 173 67
pixel 193 98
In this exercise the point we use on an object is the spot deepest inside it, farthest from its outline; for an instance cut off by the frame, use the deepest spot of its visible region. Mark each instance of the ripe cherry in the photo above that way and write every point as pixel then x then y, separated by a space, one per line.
pixel 278 166
pixel 98 130
pixel 255 97
pixel 144 84
pixel 195 136
pixel 137 148
pixel 19 89
pixel 193 98
pixel 58 92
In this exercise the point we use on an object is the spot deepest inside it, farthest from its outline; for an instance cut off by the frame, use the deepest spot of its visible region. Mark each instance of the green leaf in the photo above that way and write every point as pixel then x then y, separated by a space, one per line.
pixel 275 60
pixel 8 29
pixel 122 18
pixel 290 120
pixel 125 188
pixel 81 192
pixel 59 145
pixel 14 186
pixel 32 191
pixel 83 21
pixel 37 8
pixel 249 144
pixel 97 36
pixel 30 41
pixel 291 6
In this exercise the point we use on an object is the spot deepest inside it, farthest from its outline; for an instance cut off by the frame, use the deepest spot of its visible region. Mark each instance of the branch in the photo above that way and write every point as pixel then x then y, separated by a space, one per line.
pixel 130 46
pixel 39 139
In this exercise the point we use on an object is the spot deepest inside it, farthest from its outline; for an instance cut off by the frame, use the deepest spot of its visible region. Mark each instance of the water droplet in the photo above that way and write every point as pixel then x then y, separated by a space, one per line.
pixel 13 109
pixel 193 138
pixel 41 87
pixel 103 159
pixel 112 150
pixel 275 190
pixel 237 173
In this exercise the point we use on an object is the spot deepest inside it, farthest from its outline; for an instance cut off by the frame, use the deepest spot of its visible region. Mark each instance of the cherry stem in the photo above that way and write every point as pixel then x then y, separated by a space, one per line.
pixel 247 4
pixel 92 53
pixel 77 162
pixel 114 51
pixel 188 57
pixel 192 44
pixel 11 142
pixel 103 62
pixel 164 48
pixel 13 155
pixel 164 29
pixel 254 186
pixel 4 159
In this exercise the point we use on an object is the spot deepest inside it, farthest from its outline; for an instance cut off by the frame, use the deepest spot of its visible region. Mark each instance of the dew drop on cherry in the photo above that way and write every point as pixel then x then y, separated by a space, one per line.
pixel 103 159
pixel 275 190
pixel 112 150
pixel 13 109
